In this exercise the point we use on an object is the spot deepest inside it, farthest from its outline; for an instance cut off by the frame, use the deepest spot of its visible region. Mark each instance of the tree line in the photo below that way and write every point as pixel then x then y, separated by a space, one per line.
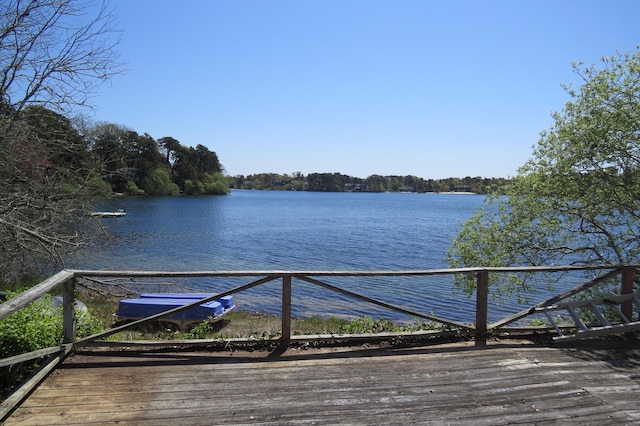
pixel 127 162
pixel 337 182
pixel 137 164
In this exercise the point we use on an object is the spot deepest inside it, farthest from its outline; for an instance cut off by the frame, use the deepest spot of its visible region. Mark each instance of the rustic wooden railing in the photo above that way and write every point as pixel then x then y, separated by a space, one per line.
pixel 480 328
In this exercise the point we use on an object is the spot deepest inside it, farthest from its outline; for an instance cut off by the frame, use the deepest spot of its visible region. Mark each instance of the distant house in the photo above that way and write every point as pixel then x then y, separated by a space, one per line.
pixel 353 187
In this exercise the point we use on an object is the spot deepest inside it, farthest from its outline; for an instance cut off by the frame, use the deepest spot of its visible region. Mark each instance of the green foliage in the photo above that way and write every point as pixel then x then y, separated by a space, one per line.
pixel 539 322
pixel 210 184
pixel 132 189
pixel 87 323
pixel 195 171
pixel 422 325
pixel 39 325
pixel 36 326
pixel 200 331
pixel 214 184
pixel 318 325
pixel 576 200
pixel 367 325
pixel 159 183
pixel 363 325
pixel 101 186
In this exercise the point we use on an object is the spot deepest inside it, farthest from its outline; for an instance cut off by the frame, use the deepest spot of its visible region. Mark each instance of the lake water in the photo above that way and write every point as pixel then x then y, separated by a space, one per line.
pixel 277 230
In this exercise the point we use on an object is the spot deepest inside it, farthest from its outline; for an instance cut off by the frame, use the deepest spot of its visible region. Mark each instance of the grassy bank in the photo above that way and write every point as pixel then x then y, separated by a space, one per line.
pixel 240 324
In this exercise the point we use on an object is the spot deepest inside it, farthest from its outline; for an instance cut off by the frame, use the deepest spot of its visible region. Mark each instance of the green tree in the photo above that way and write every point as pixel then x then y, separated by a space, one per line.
pixel 207 160
pixel 577 200
pixel 195 171
pixel 108 142
pixel 214 184
pixel 145 158
pixel 327 182
pixel 169 147
pixel 159 182
pixel 376 183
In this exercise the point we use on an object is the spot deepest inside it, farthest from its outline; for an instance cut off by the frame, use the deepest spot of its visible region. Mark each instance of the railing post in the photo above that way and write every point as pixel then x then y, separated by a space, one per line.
pixel 627 288
pixel 482 298
pixel 286 310
pixel 68 311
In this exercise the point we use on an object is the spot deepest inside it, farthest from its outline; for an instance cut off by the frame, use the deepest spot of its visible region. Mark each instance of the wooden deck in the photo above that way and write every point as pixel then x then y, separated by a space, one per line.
pixel 504 383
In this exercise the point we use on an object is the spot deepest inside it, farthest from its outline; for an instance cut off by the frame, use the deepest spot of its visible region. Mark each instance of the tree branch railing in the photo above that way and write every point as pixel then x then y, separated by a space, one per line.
pixel 480 328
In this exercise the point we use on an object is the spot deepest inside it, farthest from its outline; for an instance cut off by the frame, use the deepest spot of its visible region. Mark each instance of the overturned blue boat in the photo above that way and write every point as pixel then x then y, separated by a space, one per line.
pixel 149 304
pixel 225 301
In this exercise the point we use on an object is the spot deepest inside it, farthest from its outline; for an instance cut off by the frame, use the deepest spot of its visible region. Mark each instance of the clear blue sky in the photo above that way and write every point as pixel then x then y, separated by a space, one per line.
pixel 434 89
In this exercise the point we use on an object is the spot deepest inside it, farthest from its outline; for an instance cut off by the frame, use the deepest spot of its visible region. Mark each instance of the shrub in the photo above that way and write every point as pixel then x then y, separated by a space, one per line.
pixel 36 326
pixel 367 325
pixel 200 331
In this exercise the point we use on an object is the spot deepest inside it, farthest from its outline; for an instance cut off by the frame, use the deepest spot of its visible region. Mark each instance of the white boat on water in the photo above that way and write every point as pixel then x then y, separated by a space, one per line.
pixel 117 213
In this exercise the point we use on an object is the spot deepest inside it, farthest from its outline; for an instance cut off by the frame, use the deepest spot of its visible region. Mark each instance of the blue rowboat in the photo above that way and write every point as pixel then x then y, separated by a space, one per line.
pixel 154 303
pixel 225 301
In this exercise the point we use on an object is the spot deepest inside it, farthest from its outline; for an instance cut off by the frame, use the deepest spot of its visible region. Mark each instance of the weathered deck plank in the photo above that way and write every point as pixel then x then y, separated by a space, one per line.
pixel 456 384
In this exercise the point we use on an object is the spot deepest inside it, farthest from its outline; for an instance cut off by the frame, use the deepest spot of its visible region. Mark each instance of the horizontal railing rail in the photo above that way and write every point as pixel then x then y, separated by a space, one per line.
pixel 480 328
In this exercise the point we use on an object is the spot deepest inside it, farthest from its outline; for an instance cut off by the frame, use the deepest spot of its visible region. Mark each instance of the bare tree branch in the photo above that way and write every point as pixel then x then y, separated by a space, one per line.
pixel 54 54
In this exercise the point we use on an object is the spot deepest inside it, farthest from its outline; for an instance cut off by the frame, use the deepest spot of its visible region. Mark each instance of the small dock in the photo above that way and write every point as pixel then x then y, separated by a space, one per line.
pixel 505 382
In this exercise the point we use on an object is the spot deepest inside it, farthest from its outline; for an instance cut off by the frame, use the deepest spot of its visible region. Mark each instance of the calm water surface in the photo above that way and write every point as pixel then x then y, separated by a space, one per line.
pixel 277 230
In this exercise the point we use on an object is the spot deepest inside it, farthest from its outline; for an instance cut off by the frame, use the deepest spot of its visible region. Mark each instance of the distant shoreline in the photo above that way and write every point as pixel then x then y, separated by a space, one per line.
pixel 371 192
